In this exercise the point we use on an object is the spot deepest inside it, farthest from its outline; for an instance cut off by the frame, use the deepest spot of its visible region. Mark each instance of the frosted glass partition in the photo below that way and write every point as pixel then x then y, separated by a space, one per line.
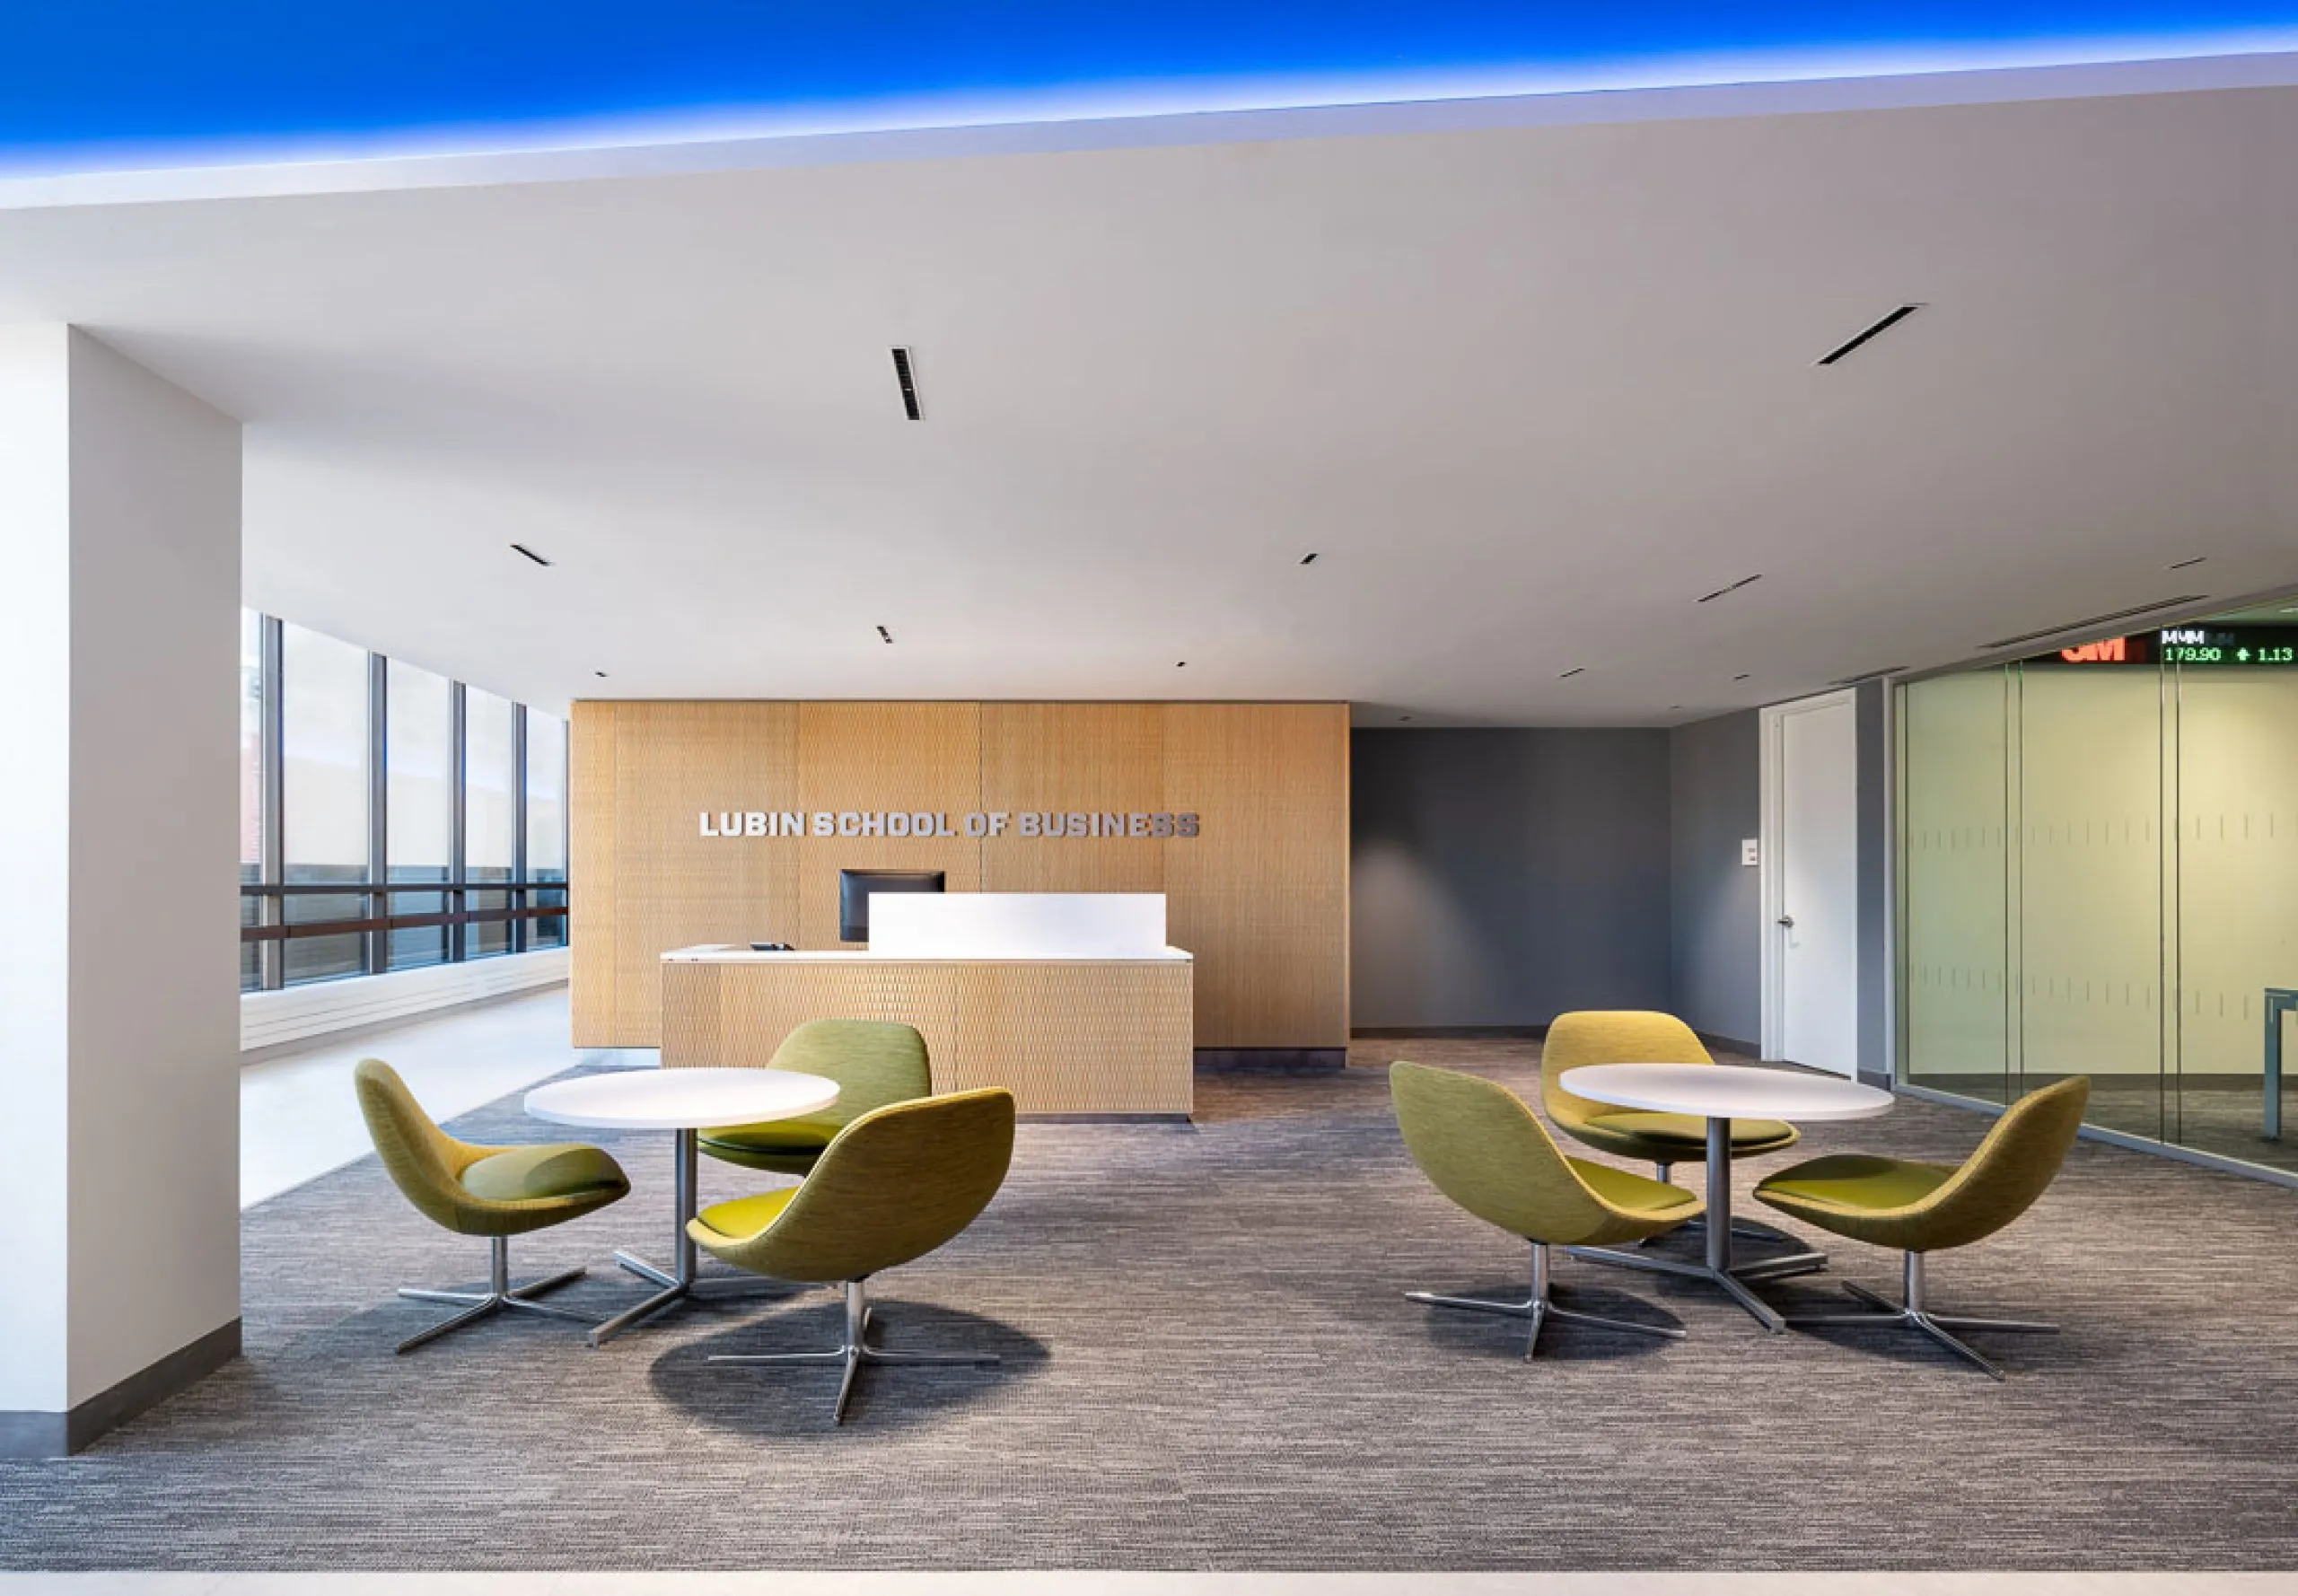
pixel 2098 876
pixel 1018 924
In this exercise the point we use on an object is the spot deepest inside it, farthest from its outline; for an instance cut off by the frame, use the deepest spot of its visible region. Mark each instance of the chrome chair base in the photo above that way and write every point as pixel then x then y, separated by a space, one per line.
pixel 676 1291
pixel 1539 1309
pixel 499 1297
pixel 855 1351
pixel 1915 1314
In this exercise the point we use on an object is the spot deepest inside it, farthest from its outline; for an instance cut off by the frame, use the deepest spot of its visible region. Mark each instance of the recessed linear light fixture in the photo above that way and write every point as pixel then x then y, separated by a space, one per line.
pixel 1875 675
pixel 908 378
pixel 2088 621
pixel 600 674
pixel 2182 564
pixel 1575 671
pixel 530 554
pixel 1867 334
pixel 1735 588
pixel 1742 676
pixel 884 636
pixel 1309 558
pixel 1180 664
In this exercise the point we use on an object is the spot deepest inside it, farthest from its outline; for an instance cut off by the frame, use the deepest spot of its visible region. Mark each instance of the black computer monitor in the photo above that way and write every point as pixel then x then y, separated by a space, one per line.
pixel 853 889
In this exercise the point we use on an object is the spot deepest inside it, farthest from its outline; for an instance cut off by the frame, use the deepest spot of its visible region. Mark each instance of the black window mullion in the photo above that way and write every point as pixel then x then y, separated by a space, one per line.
pixel 516 931
pixel 378 943
pixel 456 901
pixel 273 956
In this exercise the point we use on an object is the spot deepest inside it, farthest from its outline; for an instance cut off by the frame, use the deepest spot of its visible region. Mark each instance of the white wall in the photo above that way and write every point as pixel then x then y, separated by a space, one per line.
pixel 35 806
pixel 119 647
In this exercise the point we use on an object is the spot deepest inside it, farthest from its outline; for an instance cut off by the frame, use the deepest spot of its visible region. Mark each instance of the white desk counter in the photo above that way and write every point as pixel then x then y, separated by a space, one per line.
pixel 734 953
pixel 1070 1037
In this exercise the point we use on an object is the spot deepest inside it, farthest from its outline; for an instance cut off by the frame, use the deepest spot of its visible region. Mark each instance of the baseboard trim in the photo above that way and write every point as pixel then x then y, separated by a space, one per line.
pixel 1280 1061
pixel 1451 1034
pixel 1717 1043
pixel 43 1436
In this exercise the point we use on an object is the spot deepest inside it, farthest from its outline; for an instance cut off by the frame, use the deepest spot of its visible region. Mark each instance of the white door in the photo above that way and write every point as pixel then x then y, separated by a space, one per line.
pixel 1813 882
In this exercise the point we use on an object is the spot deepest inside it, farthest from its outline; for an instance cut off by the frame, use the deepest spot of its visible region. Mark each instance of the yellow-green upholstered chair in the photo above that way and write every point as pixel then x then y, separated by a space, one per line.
pixel 495 1192
pixel 874 1062
pixel 893 1186
pixel 1926 1207
pixel 1637 1036
pixel 1480 1147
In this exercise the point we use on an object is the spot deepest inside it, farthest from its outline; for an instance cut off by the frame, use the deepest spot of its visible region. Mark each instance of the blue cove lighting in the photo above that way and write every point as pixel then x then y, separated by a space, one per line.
pixel 87 84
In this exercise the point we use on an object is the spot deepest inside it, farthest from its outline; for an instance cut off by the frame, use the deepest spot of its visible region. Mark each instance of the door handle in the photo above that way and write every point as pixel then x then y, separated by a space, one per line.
pixel 1787 920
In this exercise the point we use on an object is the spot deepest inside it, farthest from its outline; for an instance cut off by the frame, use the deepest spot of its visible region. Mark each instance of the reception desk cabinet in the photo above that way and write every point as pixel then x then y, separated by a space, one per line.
pixel 1085 1038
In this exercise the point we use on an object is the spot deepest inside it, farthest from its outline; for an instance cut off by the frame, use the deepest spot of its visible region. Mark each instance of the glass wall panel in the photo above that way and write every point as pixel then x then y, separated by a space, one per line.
pixel 2090 897
pixel 1955 878
pixel 250 790
pixel 2098 876
pixel 323 710
pixel 2237 868
pixel 492 787
pixel 546 823
pixel 420 793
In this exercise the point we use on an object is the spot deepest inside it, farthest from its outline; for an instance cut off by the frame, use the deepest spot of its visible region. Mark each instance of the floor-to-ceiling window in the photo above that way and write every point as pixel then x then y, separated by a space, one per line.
pixel 546 834
pixel 2098 876
pixel 419 747
pixel 390 818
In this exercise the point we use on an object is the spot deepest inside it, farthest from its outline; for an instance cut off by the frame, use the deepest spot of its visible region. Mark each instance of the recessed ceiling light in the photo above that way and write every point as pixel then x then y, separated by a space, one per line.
pixel 1735 588
pixel 884 636
pixel 908 379
pixel 1742 676
pixel 1875 331
pixel 1180 664
pixel 600 674
pixel 1310 558
pixel 2182 564
pixel 1575 671
pixel 530 554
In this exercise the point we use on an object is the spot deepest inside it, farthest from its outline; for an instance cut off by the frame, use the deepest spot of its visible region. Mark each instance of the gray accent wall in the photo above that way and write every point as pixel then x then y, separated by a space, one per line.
pixel 1715 917
pixel 1501 877
pixel 1875 848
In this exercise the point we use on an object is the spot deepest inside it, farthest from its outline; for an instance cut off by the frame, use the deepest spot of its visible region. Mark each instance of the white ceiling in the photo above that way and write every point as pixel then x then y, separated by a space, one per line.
pixel 1528 392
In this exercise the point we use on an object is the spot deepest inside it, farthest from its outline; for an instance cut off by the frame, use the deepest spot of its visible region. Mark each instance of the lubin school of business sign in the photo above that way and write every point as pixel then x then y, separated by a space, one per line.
pixel 897 822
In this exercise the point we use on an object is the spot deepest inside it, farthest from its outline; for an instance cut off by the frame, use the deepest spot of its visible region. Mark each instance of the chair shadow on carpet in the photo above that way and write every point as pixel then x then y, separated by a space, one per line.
pixel 769 1400
pixel 1462 1332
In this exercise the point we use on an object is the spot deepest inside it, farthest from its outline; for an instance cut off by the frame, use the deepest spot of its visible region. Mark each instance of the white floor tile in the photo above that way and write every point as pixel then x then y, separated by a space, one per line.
pixel 299 1117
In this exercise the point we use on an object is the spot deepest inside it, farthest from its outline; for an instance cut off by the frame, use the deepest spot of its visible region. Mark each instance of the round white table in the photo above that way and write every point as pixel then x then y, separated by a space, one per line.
pixel 1720 1094
pixel 684 1100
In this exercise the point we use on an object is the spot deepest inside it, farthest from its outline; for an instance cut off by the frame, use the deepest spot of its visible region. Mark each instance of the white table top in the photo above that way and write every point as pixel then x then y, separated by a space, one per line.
pixel 1727 1092
pixel 680 1098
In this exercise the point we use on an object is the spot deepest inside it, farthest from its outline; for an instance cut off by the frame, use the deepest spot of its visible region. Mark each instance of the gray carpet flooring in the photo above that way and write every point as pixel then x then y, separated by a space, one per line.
pixel 1208 1364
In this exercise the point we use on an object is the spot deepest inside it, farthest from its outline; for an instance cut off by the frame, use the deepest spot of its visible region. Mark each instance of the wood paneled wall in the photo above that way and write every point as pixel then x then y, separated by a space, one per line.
pixel 1261 896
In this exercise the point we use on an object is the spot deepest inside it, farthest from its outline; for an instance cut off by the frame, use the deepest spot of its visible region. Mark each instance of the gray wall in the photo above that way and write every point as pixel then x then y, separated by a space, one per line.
pixel 1874 880
pixel 1501 877
pixel 1716 799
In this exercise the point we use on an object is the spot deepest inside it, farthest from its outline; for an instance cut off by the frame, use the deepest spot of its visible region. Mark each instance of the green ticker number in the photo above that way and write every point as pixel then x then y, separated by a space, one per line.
pixel 2206 654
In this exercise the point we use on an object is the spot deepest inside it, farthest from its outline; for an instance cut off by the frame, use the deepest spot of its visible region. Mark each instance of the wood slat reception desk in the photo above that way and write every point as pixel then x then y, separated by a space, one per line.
pixel 1100 1038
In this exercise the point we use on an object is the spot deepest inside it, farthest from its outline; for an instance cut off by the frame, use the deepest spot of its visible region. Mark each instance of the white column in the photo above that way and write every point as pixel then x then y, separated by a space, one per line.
pixel 119 592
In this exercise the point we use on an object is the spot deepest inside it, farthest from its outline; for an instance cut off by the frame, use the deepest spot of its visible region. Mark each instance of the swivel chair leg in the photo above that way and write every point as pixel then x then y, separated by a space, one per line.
pixel 855 1351
pixel 500 1296
pixel 1539 1309
pixel 1916 1314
